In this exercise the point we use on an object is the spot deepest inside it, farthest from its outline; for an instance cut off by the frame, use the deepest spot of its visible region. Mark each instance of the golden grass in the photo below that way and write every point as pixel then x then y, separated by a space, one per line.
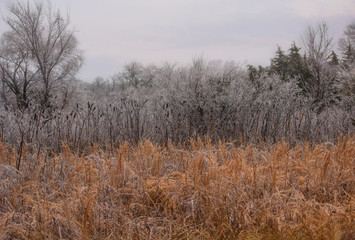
pixel 202 191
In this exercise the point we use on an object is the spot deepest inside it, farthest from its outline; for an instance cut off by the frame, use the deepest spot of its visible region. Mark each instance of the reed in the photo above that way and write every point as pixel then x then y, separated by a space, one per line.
pixel 199 191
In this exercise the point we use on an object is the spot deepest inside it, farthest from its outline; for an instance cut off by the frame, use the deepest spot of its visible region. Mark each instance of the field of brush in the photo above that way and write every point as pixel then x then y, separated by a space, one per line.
pixel 199 191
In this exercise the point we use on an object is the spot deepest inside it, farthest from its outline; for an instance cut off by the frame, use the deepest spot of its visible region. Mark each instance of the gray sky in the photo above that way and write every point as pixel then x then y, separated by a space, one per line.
pixel 115 32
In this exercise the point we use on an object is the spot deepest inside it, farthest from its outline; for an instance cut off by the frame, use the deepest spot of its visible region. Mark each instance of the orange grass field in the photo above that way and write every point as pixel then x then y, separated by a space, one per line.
pixel 200 191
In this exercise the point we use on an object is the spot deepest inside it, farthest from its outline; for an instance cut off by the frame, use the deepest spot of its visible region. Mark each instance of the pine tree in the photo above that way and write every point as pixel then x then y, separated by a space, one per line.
pixel 252 73
pixel 348 54
pixel 333 59
pixel 294 64
pixel 279 64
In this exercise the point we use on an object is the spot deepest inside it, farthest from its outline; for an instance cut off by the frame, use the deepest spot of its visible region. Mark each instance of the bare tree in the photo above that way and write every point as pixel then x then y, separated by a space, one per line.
pixel 132 74
pixel 17 75
pixel 39 52
pixel 347 48
pixel 348 40
pixel 318 45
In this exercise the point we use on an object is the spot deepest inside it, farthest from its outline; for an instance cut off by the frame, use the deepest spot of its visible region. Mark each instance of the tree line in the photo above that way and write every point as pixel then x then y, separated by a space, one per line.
pixel 302 95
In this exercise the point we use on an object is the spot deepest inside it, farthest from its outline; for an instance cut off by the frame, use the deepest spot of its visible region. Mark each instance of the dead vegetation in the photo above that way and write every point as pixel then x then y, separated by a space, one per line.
pixel 202 191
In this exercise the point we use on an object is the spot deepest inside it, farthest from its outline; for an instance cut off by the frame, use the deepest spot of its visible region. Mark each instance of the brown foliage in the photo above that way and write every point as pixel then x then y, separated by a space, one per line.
pixel 203 191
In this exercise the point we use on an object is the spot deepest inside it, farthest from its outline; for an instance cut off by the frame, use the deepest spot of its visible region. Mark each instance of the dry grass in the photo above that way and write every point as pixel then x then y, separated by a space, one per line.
pixel 203 191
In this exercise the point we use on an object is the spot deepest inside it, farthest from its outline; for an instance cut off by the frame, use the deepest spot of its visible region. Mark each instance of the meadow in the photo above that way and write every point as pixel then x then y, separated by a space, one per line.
pixel 201 190
pixel 142 154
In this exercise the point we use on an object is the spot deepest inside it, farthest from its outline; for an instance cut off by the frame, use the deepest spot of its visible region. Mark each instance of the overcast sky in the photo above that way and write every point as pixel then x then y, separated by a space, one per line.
pixel 115 32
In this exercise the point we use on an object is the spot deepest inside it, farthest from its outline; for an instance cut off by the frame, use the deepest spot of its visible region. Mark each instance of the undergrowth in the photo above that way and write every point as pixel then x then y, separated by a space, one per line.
pixel 200 191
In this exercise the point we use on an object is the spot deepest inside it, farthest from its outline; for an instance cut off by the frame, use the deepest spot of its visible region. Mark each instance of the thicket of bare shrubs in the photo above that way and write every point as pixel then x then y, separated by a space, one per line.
pixel 212 99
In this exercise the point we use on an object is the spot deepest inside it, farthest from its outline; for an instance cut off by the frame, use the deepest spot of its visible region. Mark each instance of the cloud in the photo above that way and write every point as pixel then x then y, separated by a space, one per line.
pixel 322 8
pixel 113 32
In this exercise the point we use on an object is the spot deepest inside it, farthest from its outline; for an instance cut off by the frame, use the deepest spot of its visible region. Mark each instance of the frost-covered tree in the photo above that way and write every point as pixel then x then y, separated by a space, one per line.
pixel 17 73
pixel 320 86
pixel 39 55
pixel 347 62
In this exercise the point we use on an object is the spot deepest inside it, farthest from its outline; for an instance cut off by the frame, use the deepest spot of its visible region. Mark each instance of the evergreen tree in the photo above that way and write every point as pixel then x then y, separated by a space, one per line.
pixel 252 73
pixel 333 59
pixel 294 64
pixel 279 64
pixel 348 54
